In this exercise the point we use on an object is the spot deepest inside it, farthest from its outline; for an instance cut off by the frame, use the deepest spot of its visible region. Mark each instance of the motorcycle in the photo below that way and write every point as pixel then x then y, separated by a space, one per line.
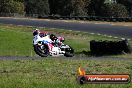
pixel 44 46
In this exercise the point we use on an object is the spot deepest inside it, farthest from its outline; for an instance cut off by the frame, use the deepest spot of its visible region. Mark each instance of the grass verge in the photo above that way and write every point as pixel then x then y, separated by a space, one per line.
pixel 17 40
pixel 58 72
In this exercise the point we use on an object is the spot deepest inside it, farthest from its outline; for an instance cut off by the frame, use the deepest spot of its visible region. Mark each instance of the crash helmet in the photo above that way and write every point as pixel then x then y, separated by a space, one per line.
pixel 36 32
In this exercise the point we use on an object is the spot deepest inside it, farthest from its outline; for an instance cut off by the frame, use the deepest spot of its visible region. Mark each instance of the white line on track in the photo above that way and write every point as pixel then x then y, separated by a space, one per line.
pixel 92 33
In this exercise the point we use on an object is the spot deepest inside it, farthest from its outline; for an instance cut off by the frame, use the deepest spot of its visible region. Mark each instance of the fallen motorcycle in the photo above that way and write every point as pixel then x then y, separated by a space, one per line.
pixel 44 46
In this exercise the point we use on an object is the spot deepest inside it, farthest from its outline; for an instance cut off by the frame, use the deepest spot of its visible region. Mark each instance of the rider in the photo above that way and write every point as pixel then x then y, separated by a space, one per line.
pixel 56 40
pixel 36 32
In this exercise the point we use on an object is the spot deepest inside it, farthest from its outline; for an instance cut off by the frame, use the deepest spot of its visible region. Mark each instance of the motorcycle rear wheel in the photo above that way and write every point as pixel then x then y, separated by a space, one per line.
pixel 69 52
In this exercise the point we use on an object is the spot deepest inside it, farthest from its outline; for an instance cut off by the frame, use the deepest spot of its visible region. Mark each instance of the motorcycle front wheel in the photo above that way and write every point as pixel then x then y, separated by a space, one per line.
pixel 41 51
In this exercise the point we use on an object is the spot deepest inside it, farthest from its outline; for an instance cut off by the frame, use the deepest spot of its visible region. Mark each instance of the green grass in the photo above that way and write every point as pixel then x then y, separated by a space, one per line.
pixel 58 73
pixel 14 42
pixel 17 40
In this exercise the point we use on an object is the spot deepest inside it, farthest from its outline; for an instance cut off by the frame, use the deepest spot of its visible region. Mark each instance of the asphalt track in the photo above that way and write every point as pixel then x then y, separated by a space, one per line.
pixel 108 29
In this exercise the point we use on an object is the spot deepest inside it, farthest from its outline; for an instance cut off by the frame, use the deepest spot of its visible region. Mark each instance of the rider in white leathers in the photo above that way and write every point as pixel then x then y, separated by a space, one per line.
pixel 40 36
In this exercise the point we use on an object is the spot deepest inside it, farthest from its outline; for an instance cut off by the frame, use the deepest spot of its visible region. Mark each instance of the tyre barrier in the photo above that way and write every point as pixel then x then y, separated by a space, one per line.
pixel 91 18
pixel 109 47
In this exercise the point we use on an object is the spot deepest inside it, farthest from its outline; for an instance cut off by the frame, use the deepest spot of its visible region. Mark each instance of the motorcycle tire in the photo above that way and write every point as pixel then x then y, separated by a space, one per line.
pixel 39 51
pixel 69 52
